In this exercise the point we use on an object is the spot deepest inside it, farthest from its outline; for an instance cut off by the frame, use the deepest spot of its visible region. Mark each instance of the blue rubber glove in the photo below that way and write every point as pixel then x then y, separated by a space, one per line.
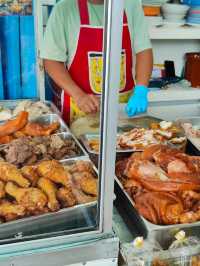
pixel 138 102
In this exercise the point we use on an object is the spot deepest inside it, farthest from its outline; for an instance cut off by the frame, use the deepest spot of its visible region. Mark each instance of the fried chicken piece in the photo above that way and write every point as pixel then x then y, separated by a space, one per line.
pixel 6 139
pixel 66 197
pixel 82 198
pixel 11 211
pixel 14 125
pixel 2 190
pixel 82 166
pixel 32 199
pixel 49 188
pixel 9 172
pixel 30 172
pixel 54 171
pixel 88 184
pixel 36 129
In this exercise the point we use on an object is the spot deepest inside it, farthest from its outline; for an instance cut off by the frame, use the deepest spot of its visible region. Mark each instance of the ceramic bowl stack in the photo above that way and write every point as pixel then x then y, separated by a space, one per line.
pixel 175 13
pixel 152 11
pixel 194 15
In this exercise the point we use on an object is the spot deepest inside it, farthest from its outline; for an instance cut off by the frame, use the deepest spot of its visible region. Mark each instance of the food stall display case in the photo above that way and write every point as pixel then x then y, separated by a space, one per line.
pixel 82 234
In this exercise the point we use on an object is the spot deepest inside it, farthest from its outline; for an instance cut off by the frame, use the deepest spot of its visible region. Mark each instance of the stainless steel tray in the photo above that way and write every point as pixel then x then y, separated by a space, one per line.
pixel 11 104
pixel 162 233
pixel 51 118
pixel 87 137
pixel 195 121
pixel 67 216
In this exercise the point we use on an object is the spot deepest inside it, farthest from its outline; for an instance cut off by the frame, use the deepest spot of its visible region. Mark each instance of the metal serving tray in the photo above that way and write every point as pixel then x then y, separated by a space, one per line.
pixel 164 234
pixel 51 118
pixel 87 137
pixel 44 223
pixel 195 121
pixel 11 104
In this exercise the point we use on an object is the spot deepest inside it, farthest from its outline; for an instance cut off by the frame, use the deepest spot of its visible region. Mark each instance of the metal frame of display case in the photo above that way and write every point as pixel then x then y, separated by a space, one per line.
pixel 104 234
pixel 112 47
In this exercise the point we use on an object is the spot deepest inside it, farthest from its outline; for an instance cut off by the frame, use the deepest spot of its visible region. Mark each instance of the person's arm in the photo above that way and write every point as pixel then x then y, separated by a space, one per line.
pixel 88 103
pixel 144 66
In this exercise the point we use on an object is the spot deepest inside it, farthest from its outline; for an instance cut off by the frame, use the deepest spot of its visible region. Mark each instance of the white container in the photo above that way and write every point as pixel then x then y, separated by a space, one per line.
pixel 174 12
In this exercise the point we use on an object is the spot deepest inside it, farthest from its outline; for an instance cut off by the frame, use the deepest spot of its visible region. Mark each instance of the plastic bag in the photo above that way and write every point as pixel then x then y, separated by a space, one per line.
pixel 137 252
pixel 183 241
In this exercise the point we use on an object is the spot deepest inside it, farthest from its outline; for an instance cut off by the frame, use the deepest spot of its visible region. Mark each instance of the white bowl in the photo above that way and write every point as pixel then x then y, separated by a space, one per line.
pixel 173 17
pixel 175 8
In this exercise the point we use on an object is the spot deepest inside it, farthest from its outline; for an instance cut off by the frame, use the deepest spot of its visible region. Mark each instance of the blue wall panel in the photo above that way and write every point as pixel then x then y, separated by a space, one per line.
pixel 9 38
pixel 1 79
pixel 28 57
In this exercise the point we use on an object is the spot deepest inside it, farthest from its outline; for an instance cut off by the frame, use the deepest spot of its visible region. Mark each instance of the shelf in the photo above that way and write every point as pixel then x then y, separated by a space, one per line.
pixel 175 94
pixel 175 33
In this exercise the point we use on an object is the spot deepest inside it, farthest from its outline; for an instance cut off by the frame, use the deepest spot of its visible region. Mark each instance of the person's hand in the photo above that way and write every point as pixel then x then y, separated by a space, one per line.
pixel 88 103
pixel 138 102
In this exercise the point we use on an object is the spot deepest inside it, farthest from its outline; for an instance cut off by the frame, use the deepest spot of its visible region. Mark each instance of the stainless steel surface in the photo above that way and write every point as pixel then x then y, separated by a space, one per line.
pixel 162 233
pixel 64 255
pixel 113 22
pixel 51 118
pixel 23 229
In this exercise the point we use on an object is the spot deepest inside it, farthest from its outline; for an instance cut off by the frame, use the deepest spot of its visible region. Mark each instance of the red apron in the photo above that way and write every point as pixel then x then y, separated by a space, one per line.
pixel 86 68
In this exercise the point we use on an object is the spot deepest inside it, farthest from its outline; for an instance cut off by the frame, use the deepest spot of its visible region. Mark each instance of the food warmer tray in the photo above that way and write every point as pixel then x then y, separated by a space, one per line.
pixel 11 104
pixel 25 227
pixel 195 121
pixel 51 118
pixel 164 234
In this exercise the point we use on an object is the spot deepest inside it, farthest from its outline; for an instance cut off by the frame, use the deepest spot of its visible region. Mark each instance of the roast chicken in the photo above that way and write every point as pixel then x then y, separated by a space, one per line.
pixel 164 184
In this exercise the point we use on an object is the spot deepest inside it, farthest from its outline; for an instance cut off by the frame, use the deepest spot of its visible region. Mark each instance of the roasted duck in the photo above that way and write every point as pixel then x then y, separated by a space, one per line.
pixel 164 184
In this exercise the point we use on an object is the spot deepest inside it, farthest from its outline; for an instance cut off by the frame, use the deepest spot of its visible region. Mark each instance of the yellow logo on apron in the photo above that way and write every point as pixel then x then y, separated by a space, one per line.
pixel 95 61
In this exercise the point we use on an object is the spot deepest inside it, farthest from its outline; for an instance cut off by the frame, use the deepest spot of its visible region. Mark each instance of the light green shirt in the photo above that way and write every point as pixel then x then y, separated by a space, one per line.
pixel 62 31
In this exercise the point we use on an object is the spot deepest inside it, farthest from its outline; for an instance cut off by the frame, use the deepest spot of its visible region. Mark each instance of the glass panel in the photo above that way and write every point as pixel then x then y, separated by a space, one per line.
pixel 17 50
pixel 47 197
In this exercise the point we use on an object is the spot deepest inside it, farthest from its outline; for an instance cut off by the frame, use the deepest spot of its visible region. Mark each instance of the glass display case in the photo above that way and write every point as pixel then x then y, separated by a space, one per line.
pixel 84 224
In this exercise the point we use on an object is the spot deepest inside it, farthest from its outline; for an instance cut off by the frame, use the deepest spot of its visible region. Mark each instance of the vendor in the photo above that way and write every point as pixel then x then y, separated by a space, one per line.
pixel 72 53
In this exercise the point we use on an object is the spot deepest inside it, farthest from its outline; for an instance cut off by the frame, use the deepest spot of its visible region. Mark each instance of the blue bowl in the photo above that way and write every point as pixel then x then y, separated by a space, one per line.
pixel 191 2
